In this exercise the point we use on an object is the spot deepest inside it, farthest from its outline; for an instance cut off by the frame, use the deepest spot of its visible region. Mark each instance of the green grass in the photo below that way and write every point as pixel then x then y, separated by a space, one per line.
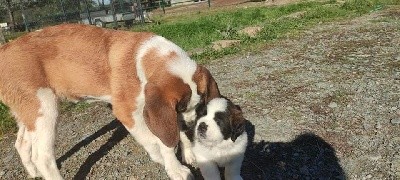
pixel 7 122
pixel 9 125
pixel 11 36
pixel 199 30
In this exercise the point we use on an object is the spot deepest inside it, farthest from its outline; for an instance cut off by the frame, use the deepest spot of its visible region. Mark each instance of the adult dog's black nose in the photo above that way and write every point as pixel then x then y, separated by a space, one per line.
pixel 202 127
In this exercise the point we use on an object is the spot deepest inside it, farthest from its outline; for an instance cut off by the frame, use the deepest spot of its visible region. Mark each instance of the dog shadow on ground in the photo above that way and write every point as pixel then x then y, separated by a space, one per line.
pixel 308 156
pixel 118 135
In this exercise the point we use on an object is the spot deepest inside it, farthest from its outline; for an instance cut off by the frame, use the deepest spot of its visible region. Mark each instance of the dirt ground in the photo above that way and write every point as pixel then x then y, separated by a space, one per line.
pixel 322 105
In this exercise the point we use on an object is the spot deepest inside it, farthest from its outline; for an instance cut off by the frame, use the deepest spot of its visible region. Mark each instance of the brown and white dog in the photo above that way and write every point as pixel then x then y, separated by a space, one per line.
pixel 147 79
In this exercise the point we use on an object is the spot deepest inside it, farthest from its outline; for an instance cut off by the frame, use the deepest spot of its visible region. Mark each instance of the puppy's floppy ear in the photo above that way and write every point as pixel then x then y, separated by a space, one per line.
pixel 238 121
pixel 160 115
pixel 237 131
pixel 206 84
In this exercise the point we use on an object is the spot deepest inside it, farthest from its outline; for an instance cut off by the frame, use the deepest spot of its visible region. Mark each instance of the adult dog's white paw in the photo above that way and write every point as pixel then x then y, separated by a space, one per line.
pixel 188 156
pixel 180 173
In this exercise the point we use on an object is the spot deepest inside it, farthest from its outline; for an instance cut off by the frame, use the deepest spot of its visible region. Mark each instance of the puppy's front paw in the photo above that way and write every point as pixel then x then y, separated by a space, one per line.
pixel 180 173
pixel 188 156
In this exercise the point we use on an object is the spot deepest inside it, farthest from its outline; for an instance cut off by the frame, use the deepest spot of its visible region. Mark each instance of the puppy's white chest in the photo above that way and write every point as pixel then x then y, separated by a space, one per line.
pixel 221 153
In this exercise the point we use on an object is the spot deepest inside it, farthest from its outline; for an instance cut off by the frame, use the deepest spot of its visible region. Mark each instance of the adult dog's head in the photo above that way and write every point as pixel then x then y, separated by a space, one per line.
pixel 174 97
pixel 219 120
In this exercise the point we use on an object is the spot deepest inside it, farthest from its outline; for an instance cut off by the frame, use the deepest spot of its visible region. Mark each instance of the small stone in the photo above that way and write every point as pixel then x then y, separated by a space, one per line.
pixel 375 158
pixel 395 121
pixel 333 105
pixel 369 176
pixel 218 45
pixel 378 126
pixel 2 173
pixel 250 31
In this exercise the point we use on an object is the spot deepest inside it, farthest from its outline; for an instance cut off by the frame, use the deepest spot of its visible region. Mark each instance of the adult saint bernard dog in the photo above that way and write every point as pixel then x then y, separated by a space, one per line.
pixel 147 79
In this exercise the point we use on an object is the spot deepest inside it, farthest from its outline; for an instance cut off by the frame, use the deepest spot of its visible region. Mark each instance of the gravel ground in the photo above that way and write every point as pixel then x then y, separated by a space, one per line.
pixel 323 105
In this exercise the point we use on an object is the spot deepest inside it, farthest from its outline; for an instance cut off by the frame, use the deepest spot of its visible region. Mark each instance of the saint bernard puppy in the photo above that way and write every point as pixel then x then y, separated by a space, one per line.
pixel 149 81
pixel 218 139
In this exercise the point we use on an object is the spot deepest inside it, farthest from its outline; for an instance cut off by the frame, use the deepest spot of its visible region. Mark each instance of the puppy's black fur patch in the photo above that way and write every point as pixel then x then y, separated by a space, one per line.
pixel 223 121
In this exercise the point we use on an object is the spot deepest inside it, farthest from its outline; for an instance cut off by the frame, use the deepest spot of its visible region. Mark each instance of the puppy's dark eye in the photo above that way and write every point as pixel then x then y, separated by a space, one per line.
pixel 220 117
pixel 201 110
pixel 218 121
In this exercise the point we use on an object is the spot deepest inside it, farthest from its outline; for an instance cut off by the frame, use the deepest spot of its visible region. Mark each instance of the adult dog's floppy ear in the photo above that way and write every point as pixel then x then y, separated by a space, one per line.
pixel 160 115
pixel 206 84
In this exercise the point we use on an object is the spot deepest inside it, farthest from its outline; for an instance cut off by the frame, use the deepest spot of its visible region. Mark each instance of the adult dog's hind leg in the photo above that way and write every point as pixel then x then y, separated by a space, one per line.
pixel 44 135
pixel 23 144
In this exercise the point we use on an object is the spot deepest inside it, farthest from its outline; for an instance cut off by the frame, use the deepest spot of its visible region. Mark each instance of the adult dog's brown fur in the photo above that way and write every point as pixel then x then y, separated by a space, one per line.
pixel 78 62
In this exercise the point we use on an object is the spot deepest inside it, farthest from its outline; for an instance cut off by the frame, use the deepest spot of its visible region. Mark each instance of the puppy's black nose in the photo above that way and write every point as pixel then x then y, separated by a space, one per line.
pixel 202 127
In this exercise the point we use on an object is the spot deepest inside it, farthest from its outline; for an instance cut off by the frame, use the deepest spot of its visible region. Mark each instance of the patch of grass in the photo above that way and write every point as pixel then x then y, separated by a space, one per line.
pixel 9 125
pixel 80 106
pixel 200 30
pixel 13 35
pixel 364 6
pixel 7 122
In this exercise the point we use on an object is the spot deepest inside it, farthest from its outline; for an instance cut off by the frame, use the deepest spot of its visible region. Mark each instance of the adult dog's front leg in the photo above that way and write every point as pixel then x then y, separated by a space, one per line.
pixel 173 167
pixel 186 149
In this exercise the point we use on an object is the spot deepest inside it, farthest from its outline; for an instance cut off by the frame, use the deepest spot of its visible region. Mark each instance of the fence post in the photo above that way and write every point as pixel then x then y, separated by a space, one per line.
pixel 141 11
pixel 163 6
pixel 23 16
pixel 209 3
pixel 63 10
pixel 88 12
pixel 114 14
pixel 2 39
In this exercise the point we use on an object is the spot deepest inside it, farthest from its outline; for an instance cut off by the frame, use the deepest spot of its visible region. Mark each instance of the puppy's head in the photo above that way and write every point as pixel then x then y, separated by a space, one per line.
pixel 219 120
